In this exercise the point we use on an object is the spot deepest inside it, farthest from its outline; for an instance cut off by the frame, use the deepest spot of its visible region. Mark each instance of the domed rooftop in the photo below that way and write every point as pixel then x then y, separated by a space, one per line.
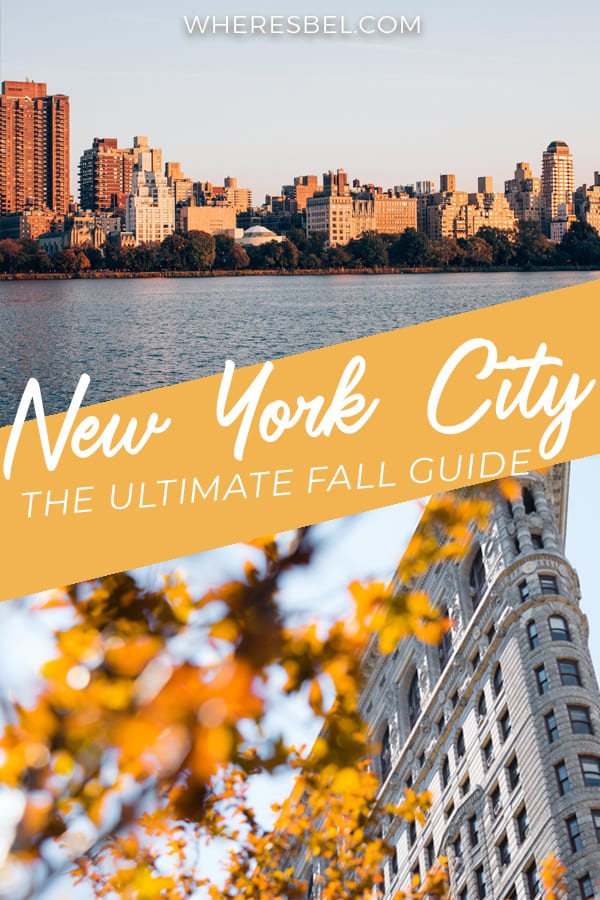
pixel 258 229
pixel 554 145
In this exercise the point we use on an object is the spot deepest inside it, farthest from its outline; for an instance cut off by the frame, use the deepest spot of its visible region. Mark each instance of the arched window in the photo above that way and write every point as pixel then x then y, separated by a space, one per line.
pixel 477 578
pixel 498 680
pixel 460 745
pixel 528 501
pixel 414 700
pixel 385 755
pixel 559 629
pixel 482 706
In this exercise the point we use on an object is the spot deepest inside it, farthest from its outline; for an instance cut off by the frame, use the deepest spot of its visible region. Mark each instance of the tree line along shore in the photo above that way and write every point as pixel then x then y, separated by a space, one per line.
pixel 199 253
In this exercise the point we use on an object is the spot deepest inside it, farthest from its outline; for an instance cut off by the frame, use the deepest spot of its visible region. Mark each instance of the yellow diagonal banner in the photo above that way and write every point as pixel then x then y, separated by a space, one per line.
pixel 304 439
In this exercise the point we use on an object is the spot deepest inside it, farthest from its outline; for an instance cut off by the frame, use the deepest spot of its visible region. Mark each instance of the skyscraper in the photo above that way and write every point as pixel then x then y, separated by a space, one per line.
pixel 150 207
pixel 501 722
pixel 34 148
pixel 557 183
pixel 105 173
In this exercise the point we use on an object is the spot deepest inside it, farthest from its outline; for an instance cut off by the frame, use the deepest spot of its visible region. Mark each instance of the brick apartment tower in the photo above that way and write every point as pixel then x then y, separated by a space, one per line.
pixel 557 182
pixel 34 148
pixel 105 175
pixel 501 721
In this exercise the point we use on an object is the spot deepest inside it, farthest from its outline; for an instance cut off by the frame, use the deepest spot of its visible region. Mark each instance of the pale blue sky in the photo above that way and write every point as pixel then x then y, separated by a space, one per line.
pixel 483 86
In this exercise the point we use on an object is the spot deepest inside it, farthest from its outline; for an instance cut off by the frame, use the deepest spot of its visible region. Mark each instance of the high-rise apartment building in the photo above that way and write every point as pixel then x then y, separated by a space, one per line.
pixel 304 187
pixel 344 217
pixel 489 210
pixel 557 183
pixel 446 214
pixel 501 721
pixel 34 145
pixel 228 194
pixel 447 183
pixel 341 213
pixel 524 194
pixel 105 175
pixel 181 186
pixel 587 203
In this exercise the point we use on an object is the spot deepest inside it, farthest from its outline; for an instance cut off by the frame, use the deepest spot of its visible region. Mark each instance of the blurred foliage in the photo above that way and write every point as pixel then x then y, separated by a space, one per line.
pixel 150 730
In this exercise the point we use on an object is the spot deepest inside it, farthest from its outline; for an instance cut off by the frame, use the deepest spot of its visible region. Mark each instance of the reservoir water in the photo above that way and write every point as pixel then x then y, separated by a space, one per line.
pixel 134 335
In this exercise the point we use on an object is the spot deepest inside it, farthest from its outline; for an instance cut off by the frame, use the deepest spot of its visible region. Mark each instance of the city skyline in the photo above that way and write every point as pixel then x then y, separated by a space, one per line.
pixel 301 106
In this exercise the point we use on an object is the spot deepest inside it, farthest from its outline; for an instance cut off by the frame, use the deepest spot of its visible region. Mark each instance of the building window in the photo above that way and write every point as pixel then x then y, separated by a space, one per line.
pixel 445 772
pixel 586 888
pixel 522 824
pixel 475 662
pixel 465 786
pixel 454 699
pixel 488 753
pixel 412 834
pixel 414 700
pixel 537 541
pixel 430 853
pixel 562 777
pixel 490 633
pixel 464 894
pixel 569 672
pixel 481 706
pixel 449 811
pixel 473 831
pixel 385 757
pixel 574 833
pixel 542 679
pixel 460 745
pixel 551 727
pixel 559 629
pixel 504 851
pixel 533 881
pixel 445 647
pixel 511 893
pixel 505 725
pixel 514 775
pixel 548 584
pixel 496 801
pixel 528 501
pixel 458 848
pixel 581 722
pixel 477 579
pixel 590 767
pixel 596 821
pixel 498 680
pixel 524 591
pixel 440 724
pixel 532 634
pixel 481 884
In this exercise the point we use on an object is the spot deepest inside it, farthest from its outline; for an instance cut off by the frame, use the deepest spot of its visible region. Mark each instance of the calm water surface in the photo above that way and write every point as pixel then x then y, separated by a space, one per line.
pixel 133 335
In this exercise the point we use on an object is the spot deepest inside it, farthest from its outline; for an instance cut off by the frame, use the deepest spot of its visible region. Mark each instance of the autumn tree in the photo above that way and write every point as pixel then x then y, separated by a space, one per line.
pixel 151 727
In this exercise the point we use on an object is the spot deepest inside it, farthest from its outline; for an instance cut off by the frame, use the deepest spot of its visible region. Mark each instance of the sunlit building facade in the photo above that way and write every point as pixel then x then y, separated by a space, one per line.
pixel 35 142
pixel 501 721
pixel 557 183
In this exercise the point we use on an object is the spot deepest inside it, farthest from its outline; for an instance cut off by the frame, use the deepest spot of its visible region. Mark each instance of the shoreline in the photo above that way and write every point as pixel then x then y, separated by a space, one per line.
pixel 253 273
